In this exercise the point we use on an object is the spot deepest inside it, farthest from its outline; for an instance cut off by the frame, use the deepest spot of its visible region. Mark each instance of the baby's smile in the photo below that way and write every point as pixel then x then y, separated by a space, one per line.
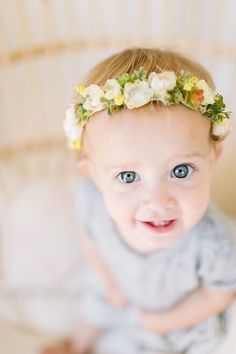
pixel 160 226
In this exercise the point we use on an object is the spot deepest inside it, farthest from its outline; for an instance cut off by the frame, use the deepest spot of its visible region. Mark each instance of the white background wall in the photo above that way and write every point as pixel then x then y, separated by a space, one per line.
pixel 46 47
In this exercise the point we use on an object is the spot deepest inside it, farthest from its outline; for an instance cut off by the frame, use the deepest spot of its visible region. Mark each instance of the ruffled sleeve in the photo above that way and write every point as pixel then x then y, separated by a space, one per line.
pixel 217 262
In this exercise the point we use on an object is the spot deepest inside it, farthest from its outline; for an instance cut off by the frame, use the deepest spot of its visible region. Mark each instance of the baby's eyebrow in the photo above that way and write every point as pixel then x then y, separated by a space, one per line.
pixel 124 166
pixel 193 154
pixel 135 164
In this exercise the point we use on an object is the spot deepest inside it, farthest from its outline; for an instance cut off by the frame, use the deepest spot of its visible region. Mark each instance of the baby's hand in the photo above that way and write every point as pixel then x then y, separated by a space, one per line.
pixel 64 347
pixel 84 337
pixel 153 322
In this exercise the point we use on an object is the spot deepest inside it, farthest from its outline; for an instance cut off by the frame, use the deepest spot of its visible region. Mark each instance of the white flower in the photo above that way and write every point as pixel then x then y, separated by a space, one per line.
pixel 72 130
pixel 112 89
pixel 209 97
pixel 221 129
pixel 93 101
pixel 161 83
pixel 137 94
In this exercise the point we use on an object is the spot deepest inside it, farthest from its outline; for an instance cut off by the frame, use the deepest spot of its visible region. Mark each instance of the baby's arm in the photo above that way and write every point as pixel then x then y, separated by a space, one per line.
pixel 196 307
pixel 114 296
pixel 85 334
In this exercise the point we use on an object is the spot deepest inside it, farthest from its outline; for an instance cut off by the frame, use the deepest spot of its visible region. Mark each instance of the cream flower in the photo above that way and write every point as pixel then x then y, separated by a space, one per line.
pixel 112 89
pixel 209 97
pixel 93 101
pixel 137 94
pixel 72 130
pixel 161 83
pixel 221 129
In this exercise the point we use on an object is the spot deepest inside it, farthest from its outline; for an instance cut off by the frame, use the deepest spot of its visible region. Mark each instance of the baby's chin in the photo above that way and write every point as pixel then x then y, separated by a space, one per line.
pixel 142 241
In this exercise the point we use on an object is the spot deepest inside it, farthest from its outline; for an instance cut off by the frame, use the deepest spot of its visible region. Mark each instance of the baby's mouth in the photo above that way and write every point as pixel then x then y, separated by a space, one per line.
pixel 160 223
pixel 160 226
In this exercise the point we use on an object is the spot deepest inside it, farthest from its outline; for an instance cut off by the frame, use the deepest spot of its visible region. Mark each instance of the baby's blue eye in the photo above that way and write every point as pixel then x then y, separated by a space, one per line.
pixel 182 171
pixel 128 176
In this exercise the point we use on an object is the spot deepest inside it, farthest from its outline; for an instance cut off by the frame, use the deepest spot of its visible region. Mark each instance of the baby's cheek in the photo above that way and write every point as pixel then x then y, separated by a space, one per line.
pixel 193 207
pixel 118 207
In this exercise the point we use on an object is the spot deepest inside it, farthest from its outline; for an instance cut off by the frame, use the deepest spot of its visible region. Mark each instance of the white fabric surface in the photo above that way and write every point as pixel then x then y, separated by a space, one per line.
pixel 15 340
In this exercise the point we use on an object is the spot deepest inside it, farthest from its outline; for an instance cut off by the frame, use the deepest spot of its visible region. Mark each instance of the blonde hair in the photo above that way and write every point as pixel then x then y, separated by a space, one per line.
pixel 156 60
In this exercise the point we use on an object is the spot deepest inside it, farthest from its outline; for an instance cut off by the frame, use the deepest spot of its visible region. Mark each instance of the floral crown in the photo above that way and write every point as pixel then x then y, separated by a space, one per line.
pixel 136 90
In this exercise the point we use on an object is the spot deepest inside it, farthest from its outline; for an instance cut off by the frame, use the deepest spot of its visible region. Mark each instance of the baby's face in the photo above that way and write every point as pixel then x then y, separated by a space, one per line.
pixel 153 166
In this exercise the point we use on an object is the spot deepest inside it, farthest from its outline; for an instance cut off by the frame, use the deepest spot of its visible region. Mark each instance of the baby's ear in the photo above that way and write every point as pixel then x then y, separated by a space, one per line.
pixel 216 154
pixel 218 150
pixel 85 166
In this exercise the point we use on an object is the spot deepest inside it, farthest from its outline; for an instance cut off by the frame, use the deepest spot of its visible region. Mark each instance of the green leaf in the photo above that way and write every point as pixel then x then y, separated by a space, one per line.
pixel 123 79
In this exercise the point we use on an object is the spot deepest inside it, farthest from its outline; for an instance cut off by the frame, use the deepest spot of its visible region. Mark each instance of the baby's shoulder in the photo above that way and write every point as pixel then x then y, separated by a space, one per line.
pixel 86 192
pixel 217 256
pixel 216 230
pixel 87 201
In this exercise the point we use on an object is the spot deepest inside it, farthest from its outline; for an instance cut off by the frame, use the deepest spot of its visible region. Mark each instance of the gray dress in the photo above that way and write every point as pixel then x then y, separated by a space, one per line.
pixel 206 255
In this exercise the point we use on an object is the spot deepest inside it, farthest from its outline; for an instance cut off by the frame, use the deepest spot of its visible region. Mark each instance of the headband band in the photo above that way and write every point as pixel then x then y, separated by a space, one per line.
pixel 136 90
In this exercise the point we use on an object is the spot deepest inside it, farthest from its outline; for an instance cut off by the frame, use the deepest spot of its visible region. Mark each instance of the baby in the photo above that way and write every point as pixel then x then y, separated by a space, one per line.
pixel 148 129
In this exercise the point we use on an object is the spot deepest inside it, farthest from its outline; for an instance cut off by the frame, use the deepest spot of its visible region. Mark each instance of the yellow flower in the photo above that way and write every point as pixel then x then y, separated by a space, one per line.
pixel 75 145
pixel 193 80
pixel 223 121
pixel 80 89
pixel 119 100
pixel 190 84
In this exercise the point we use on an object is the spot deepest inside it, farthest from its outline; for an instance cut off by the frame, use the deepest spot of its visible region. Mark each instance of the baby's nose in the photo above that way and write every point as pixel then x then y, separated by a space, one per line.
pixel 161 202
pixel 160 199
